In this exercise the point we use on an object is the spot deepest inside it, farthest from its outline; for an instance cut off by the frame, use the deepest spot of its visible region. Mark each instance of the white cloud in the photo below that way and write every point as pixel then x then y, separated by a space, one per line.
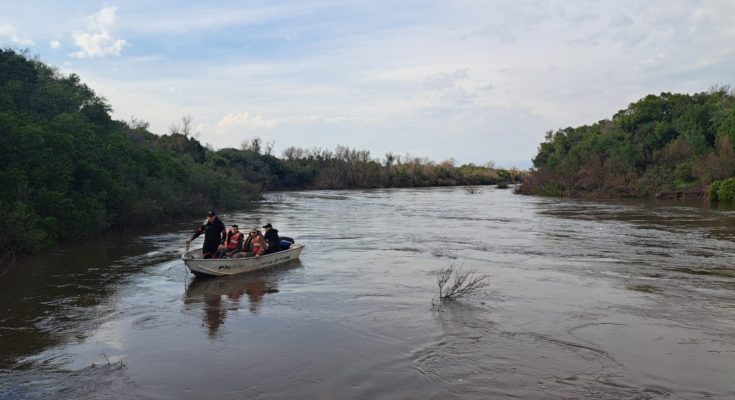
pixel 98 41
pixel 245 119
pixel 257 121
pixel 620 21
pixel 198 18
pixel 446 80
pixel 457 96
pixel 434 85
pixel 9 31
pixel 54 44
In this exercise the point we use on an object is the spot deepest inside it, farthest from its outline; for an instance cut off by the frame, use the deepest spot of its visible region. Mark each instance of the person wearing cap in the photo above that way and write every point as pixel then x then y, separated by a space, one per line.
pixel 272 239
pixel 255 244
pixel 215 235
pixel 234 242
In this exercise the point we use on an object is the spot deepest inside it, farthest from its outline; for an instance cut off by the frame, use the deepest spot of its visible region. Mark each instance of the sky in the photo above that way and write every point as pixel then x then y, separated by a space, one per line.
pixel 476 81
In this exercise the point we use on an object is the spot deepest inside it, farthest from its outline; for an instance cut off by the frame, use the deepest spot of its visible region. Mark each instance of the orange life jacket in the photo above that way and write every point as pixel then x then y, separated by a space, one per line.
pixel 258 244
pixel 232 244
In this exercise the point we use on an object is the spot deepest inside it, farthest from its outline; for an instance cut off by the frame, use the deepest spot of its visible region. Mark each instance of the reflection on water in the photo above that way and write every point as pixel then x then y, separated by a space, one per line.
pixel 217 296
pixel 610 300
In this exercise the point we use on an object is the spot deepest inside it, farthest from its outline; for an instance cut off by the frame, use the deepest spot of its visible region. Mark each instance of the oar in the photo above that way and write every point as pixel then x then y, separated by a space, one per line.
pixel 183 255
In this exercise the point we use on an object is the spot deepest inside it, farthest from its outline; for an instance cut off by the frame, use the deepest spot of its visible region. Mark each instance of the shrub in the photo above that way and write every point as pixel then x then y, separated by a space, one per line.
pixel 471 189
pixel 552 189
pixel 726 191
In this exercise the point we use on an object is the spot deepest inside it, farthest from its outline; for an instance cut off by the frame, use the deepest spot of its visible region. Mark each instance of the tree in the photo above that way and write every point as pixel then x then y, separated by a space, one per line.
pixel 670 143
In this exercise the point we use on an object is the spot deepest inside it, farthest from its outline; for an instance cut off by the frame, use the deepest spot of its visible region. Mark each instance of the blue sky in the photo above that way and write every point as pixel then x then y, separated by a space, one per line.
pixel 471 80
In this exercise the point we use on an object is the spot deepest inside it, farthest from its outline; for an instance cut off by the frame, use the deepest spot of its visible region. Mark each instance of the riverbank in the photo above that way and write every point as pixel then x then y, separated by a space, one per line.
pixel 531 188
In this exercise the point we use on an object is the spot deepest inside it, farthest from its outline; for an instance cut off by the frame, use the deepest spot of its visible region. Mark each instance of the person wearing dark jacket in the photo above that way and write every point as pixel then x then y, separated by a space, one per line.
pixel 215 235
pixel 272 239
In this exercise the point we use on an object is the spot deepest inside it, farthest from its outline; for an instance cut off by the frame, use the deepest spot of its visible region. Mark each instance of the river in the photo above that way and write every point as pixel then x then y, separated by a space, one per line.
pixel 616 299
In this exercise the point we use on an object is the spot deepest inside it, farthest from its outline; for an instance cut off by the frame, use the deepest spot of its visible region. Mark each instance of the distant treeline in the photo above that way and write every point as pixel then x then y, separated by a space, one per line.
pixel 68 170
pixel 350 168
pixel 666 146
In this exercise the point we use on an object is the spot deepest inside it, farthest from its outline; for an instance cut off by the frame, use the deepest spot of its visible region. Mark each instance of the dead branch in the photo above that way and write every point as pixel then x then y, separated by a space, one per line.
pixel 454 281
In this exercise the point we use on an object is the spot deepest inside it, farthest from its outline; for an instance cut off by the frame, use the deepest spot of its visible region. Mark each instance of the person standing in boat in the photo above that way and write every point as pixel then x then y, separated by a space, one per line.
pixel 215 235
pixel 234 242
pixel 272 239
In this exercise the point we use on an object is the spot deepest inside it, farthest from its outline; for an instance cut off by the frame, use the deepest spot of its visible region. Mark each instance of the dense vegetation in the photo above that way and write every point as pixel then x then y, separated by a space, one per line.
pixel 670 146
pixel 68 170
pixel 723 191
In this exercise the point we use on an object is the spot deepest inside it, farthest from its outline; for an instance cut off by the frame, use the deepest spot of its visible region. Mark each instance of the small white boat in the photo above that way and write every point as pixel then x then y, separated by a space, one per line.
pixel 230 266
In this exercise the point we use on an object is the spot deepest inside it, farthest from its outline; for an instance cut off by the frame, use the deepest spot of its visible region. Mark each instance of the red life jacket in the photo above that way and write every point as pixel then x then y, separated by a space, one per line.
pixel 232 244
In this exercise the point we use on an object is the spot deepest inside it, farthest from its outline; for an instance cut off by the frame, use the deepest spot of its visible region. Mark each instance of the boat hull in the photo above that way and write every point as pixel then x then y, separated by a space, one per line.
pixel 232 266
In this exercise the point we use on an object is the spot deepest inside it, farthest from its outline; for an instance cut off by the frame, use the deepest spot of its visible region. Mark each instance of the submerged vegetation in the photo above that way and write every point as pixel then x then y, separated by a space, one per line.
pixel 455 282
pixel 69 170
pixel 665 146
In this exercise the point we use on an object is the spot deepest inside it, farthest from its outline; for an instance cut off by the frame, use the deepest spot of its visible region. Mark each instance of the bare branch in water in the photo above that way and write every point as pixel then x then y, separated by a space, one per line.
pixel 454 281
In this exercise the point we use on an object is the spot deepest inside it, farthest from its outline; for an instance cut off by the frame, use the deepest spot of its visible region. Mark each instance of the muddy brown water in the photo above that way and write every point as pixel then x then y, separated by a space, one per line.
pixel 587 300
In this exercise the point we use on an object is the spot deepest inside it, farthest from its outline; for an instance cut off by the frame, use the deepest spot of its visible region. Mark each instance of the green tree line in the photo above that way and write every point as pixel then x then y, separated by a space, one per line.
pixel 68 170
pixel 667 146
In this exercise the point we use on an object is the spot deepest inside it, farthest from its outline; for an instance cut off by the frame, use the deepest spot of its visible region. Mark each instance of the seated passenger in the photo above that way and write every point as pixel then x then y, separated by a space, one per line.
pixel 255 244
pixel 272 239
pixel 234 242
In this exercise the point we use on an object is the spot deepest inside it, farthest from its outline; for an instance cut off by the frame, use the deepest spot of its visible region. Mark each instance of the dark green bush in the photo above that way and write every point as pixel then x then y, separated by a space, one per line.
pixel 725 190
